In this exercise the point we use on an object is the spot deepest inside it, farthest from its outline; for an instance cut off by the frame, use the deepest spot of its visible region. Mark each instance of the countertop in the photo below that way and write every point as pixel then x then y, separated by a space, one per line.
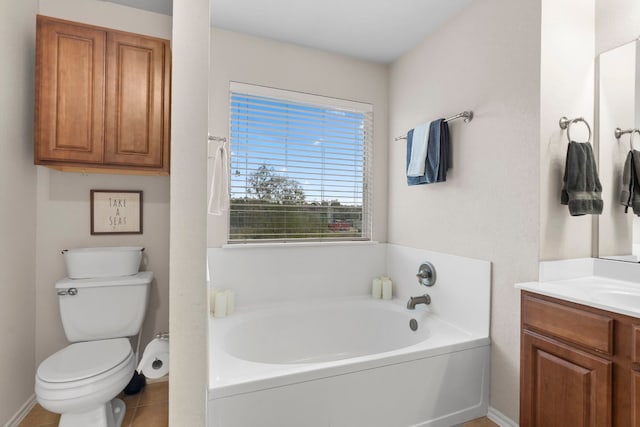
pixel 608 294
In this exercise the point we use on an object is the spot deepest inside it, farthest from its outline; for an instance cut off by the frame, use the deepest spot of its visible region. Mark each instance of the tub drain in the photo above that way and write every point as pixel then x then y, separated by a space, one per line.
pixel 413 324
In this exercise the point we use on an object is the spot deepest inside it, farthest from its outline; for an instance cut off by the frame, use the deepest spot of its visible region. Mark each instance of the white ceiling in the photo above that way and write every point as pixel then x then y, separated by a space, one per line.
pixel 375 30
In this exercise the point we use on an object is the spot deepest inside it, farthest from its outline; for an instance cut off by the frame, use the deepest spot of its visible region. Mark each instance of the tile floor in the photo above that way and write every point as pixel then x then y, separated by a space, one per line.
pixel 481 422
pixel 150 408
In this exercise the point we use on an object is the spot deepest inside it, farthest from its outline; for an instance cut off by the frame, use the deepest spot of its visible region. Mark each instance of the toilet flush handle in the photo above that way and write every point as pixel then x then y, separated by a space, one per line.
pixel 70 291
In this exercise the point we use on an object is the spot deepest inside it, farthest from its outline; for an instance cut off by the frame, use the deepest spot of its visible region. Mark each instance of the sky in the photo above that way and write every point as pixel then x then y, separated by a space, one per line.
pixel 320 148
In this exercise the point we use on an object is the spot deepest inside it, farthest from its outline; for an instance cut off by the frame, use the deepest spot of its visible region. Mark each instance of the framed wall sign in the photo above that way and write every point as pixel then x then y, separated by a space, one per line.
pixel 116 212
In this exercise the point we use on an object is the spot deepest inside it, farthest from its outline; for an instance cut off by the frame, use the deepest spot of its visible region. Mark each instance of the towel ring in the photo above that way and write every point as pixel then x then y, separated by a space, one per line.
pixel 619 132
pixel 566 124
pixel 633 132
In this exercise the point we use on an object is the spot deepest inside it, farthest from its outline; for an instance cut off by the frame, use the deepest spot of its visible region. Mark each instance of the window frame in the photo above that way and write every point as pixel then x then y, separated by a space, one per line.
pixel 319 101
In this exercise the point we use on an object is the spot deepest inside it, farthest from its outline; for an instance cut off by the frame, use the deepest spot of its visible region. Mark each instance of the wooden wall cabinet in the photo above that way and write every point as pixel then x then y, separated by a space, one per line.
pixel 102 99
pixel 579 365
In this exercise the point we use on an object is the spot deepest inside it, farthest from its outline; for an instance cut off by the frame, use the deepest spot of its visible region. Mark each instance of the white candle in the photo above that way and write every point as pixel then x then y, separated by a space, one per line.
pixel 387 288
pixel 212 299
pixel 376 288
pixel 221 305
pixel 231 301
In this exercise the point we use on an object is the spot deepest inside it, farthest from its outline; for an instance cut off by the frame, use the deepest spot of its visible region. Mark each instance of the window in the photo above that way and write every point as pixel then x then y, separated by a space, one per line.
pixel 300 166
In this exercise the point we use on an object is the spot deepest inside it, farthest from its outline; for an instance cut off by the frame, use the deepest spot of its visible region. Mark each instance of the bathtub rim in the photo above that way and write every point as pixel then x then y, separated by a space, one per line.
pixel 298 373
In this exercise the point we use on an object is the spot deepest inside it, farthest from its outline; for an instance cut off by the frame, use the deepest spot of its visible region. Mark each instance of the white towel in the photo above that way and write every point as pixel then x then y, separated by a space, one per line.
pixel 419 147
pixel 219 193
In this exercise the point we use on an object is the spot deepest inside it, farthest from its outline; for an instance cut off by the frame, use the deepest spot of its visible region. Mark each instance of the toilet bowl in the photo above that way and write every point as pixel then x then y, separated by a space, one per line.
pixel 81 380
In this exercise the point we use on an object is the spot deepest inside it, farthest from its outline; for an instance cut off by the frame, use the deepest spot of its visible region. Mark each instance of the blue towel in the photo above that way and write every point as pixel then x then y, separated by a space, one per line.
pixel 419 148
pixel 437 161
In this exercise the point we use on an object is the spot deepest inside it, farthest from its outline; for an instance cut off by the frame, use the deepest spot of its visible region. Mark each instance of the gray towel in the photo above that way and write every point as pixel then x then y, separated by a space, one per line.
pixel 630 189
pixel 581 188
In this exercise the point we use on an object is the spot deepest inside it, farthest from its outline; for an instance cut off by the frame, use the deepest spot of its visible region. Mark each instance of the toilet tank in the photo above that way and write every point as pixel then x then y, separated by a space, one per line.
pixel 103 308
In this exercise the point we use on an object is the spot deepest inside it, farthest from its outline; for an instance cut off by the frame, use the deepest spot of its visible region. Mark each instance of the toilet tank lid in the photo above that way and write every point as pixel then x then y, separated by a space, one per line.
pixel 141 278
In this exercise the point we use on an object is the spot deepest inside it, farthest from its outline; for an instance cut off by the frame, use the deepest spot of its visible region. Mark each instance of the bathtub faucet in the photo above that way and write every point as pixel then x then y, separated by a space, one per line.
pixel 413 301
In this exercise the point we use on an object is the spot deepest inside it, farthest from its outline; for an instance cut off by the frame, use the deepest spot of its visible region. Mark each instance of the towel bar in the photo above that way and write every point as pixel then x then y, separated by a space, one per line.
pixel 217 138
pixel 466 115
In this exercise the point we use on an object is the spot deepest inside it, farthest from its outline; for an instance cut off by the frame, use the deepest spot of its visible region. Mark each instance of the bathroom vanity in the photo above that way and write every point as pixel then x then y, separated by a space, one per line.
pixel 580 353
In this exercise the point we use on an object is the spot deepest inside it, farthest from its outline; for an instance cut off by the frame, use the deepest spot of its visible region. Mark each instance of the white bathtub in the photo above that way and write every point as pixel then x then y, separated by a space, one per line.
pixel 353 362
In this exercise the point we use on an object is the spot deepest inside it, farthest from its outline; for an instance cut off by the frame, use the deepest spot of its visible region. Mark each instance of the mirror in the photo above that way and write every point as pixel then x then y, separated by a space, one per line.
pixel 618 107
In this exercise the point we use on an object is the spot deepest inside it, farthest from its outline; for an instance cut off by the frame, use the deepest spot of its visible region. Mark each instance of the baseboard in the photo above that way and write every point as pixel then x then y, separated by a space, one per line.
pixel 501 419
pixel 22 412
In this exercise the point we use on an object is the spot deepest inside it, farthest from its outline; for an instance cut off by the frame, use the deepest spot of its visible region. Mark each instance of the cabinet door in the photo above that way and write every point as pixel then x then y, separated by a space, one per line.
pixel 69 92
pixel 137 103
pixel 635 399
pixel 562 386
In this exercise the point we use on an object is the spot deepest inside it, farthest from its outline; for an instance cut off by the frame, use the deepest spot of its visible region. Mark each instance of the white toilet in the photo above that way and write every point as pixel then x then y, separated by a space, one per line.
pixel 82 380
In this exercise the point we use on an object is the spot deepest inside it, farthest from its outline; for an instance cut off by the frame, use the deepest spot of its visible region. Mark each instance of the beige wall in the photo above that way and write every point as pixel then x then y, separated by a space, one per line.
pixel 17 206
pixel 63 199
pixel 110 15
pixel 188 376
pixel 486 59
pixel 567 89
pixel 617 22
pixel 242 58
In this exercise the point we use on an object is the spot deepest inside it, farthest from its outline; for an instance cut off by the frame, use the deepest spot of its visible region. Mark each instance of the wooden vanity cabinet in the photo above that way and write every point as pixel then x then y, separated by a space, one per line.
pixel 635 397
pixel 563 386
pixel 102 99
pixel 579 366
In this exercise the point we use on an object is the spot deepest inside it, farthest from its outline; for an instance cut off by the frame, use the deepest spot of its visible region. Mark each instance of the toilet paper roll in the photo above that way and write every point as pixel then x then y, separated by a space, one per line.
pixel 157 366
pixel 155 359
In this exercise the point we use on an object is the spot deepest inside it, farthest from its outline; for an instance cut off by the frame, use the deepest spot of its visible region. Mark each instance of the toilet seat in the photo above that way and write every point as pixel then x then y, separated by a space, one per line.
pixel 84 360
pixel 84 393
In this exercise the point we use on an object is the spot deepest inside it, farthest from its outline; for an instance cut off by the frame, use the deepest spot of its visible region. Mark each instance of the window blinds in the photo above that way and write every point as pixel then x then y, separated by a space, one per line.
pixel 300 166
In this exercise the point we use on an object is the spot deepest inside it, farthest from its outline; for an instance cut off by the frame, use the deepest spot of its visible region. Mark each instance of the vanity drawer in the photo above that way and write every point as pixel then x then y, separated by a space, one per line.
pixel 581 327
